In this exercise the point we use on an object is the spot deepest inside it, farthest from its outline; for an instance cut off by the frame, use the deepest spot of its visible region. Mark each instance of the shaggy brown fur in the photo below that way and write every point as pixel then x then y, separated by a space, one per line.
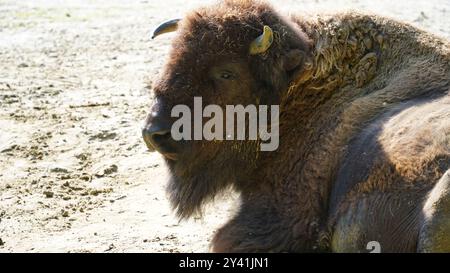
pixel 364 127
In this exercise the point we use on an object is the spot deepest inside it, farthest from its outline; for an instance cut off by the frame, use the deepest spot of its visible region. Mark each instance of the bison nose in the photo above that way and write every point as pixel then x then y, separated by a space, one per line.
pixel 155 137
pixel 158 138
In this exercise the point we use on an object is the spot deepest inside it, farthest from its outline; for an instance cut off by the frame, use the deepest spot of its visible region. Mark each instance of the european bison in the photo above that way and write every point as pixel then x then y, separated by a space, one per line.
pixel 364 151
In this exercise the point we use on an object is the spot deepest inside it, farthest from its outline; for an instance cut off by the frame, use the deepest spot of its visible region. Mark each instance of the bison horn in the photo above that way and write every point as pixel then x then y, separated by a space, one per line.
pixel 262 43
pixel 166 27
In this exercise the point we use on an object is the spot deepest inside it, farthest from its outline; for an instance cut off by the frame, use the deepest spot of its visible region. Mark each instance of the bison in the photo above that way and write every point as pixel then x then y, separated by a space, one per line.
pixel 364 129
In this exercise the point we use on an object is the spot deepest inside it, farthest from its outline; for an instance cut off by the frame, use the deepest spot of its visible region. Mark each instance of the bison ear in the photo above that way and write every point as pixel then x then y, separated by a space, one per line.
pixel 293 59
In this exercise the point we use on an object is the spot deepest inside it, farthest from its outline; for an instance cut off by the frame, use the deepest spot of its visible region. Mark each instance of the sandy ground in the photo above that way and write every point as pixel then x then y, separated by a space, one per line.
pixel 75 86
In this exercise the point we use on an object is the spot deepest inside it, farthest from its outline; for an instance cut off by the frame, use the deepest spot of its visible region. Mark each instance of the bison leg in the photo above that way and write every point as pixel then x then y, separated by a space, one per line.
pixel 348 235
pixel 435 231
pixel 257 227
pixel 378 222
pixel 248 231
pixel 234 237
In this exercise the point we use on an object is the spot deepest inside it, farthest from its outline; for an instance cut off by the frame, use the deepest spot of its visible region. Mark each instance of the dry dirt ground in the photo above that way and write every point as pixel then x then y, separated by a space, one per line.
pixel 75 86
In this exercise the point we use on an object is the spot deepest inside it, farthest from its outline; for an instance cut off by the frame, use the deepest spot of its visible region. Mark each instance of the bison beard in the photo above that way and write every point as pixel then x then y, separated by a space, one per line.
pixel 193 184
pixel 188 195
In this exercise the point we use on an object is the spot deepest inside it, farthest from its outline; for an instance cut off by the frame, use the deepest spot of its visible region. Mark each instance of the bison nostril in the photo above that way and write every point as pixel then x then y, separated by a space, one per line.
pixel 160 137
pixel 161 140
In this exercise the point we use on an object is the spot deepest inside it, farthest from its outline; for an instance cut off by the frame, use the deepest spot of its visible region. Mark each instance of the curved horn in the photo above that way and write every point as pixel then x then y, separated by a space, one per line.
pixel 262 43
pixel 166 27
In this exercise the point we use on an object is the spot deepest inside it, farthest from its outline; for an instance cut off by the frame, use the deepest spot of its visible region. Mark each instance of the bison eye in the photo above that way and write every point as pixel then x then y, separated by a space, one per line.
pixel 226 75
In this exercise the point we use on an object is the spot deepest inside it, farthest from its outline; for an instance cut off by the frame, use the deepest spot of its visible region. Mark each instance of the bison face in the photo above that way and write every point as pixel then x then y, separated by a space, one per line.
pixel 233 54
pixel 201 168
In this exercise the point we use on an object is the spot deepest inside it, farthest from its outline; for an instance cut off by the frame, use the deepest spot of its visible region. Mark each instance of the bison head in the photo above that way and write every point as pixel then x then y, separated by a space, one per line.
pixel 233 53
